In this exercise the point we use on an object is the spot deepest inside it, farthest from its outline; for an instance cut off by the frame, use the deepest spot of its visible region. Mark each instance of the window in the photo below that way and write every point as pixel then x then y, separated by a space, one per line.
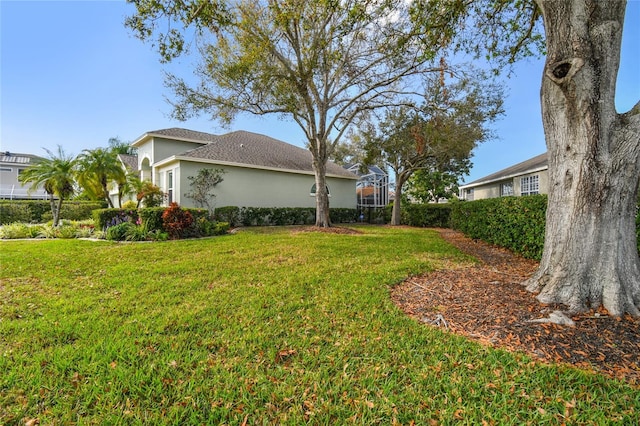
pixel 312 192
pixel 5 169
pixel 506 189
pixel 529 185
pixel 469 196
pixel 170 186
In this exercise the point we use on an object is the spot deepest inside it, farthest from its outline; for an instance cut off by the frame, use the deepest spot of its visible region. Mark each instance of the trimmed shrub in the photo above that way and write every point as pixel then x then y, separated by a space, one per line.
pixel 516 223
pixel 176 221
pixel 422 215
pixel 341 215
pixel 14 212
pixel 151 218
pixel 105 218
pixel 39 211
pixel 229 214
pixel 269 216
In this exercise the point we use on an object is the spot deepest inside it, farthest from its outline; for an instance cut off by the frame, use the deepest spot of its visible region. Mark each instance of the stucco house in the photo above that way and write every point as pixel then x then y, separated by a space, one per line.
pixel 259 171
pixel 11 165
pixel 526 178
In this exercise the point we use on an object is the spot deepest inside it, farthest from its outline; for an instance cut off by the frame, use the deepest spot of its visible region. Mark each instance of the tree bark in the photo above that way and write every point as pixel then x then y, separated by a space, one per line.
pixel 322 196
pixel 396 218
pixel 590 257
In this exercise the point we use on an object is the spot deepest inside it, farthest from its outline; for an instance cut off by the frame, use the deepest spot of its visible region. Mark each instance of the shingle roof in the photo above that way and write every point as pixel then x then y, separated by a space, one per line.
pixel 251 149
pixel 130 161
pixel 536 163
pixel 185 134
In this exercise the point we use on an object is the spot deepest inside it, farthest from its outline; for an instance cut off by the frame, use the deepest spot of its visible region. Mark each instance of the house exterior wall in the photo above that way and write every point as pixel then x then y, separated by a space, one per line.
pixel 11 188
pixel 250 187
pixel 494 189
pixel 156 149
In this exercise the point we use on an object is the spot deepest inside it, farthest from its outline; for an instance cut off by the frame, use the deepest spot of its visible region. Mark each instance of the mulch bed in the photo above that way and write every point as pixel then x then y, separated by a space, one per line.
pixel 487 302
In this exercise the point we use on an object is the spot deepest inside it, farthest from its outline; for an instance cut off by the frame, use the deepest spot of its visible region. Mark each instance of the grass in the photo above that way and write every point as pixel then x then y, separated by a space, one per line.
pixel 262 327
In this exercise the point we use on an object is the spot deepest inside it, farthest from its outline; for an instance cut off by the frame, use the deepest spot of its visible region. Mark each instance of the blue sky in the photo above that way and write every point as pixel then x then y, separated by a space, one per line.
pixel 72 75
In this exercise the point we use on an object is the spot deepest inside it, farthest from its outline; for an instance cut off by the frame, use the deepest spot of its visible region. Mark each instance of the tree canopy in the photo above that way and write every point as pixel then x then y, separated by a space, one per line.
pixel 321 64
pixel 56 175
pixel 437 137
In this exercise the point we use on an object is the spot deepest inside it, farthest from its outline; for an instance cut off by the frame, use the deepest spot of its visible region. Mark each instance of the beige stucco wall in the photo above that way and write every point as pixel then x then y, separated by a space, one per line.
pixel 248 187
pixel 492 190
pixel 486 191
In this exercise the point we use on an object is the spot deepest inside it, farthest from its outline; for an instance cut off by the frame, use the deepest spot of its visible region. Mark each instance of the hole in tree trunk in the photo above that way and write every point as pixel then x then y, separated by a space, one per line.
pixel 562 70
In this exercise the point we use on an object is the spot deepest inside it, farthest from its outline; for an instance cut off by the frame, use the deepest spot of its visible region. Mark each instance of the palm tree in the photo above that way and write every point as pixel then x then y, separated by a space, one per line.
pixel 97 168
pixel 56 175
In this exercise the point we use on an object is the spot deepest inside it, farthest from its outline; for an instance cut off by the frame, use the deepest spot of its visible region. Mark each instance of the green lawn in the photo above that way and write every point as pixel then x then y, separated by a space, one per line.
pixel 262 327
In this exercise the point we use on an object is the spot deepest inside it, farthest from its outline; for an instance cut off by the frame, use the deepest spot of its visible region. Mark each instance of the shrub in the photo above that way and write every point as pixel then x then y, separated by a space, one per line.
pixel 151 218
pixel 105 218
pixel 516 223
pixel 221 228
pixel 130 205
pixel 267 216
pixel 136 233
pixel 67 231
pixel 176 221
pixel 39 211
pixel 157 235
pixel 423 215
pixel 229 214
pixel 120 231
pixel 14 212
pixel 19 230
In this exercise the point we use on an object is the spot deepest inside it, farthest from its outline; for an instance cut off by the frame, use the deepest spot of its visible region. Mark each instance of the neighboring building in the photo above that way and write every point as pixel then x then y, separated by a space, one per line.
pixel 372 189
pixel 526 178
pixel 11 165
pixel 259 171
pixel 130 164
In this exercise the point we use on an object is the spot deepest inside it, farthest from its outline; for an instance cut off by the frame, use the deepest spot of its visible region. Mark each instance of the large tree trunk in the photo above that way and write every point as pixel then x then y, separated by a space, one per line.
pixel 322 196
pixel 396 218
pixel 590 257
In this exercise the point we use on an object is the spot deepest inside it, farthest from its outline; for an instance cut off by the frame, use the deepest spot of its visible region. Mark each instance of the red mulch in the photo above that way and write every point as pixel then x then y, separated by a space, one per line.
pixel 488 303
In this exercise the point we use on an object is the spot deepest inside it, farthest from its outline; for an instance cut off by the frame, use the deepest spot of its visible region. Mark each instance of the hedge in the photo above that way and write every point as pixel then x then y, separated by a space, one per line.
pixel 151 220
pixel 516 223
pixel 39 211
pixel 422 215
pixel 268 216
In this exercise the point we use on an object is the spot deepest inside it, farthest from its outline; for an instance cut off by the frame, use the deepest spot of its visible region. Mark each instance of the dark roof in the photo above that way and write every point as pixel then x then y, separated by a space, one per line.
pixel 251 149
pixel 536 163
pixel 130 161
pixel 185 134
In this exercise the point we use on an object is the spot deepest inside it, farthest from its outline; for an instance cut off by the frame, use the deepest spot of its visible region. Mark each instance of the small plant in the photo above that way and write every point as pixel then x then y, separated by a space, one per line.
pixel 176 221
pixel 67 231
pixel 120 231
pixel 49 231
pixel 15 231
pixel 157 235
pixel 131 205
pixel 136 233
